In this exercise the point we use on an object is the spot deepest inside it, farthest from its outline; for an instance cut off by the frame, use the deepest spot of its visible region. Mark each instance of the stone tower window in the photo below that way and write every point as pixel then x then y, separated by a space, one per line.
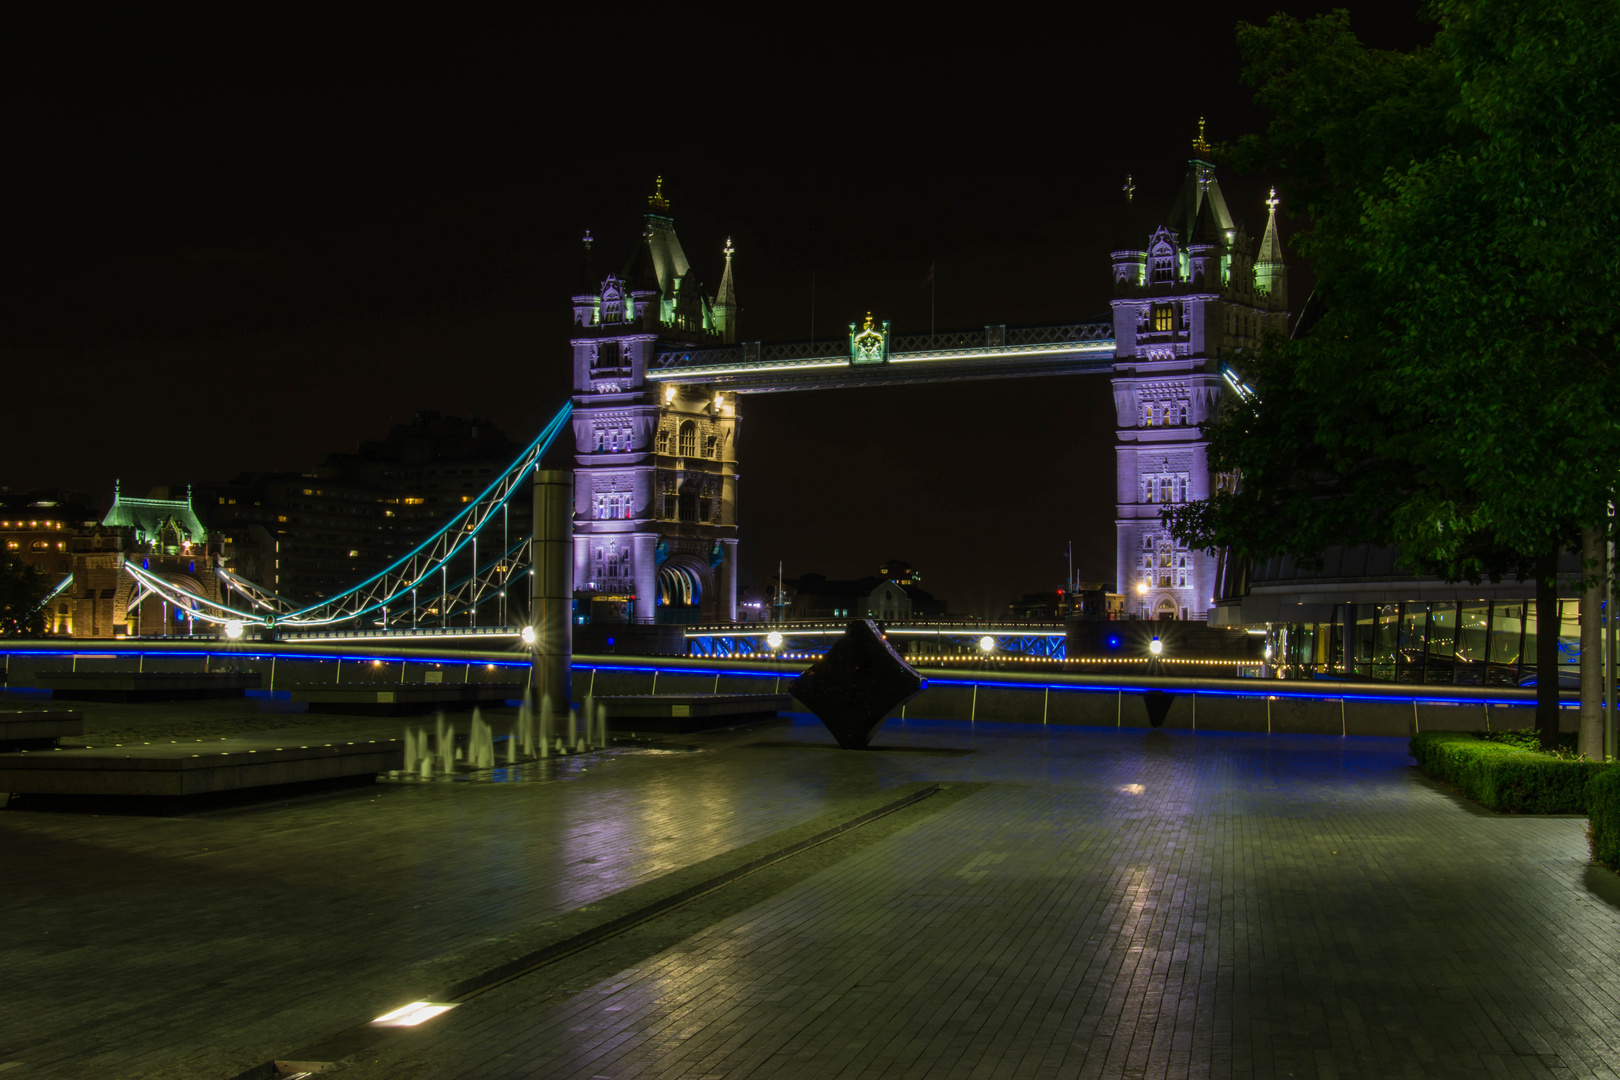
pixel 1164 318
pixel 688 439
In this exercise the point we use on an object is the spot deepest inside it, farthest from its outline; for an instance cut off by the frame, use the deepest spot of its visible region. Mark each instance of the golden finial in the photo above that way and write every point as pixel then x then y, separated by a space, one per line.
pixel 1130 188
pixel 730 251
pixel 1271 203
pixel 656 200
pixel 868 327
pixel 1200 144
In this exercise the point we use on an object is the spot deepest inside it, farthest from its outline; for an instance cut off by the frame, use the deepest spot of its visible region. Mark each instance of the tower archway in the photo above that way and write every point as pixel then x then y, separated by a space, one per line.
pixel 682 587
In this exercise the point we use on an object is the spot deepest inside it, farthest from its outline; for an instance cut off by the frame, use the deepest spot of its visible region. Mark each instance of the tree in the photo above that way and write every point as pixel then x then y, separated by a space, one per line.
pixel 1455 398
pixel 22 592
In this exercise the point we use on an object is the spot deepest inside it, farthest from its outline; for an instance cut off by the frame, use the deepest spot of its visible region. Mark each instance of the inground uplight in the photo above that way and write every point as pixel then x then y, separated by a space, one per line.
pixel 414 1013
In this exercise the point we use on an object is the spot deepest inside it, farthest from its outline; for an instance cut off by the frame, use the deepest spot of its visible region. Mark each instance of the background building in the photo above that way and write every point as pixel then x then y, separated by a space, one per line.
pixel 309 534
pixel 163 536
pixel 38 527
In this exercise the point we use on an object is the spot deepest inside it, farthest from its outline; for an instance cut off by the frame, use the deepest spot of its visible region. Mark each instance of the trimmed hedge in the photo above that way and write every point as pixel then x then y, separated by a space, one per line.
pixel 1504 777
pixel 1603 803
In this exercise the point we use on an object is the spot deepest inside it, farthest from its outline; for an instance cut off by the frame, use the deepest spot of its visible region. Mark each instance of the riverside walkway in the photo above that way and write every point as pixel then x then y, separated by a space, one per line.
pixel 1070 902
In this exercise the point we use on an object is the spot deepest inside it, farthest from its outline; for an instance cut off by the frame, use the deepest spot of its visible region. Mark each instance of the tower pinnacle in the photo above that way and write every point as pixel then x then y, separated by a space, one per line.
pixel 725 301
pixel 1270 272
pixel 656 202
pixel 1129 189
pixel 1200 144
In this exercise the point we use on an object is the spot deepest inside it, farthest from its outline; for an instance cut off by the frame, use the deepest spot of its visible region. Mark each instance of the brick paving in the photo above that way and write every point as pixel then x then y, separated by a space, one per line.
pixel 205 943
pixel 1109 904
pixel 1117 905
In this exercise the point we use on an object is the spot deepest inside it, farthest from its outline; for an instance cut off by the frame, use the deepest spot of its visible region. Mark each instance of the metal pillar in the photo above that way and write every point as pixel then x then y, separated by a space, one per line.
pixel 551 585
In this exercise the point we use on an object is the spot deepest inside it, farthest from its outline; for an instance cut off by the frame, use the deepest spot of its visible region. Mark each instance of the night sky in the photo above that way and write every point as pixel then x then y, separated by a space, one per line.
pixel 239 246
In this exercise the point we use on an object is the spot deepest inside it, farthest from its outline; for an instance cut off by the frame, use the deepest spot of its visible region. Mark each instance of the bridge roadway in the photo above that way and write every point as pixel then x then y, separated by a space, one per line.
pixel 1000 353
pixel 1014 689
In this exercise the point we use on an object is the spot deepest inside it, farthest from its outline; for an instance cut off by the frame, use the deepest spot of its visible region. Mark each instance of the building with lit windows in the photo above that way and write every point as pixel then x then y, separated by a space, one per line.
pixel 309 534
pixel 38 528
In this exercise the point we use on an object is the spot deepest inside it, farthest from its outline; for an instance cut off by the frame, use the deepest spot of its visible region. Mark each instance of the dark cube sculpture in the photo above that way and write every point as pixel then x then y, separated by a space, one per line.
pixel 854 687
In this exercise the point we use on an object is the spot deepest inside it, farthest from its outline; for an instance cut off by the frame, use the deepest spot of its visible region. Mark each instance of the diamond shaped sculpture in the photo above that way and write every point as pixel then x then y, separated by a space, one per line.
pixel 855 686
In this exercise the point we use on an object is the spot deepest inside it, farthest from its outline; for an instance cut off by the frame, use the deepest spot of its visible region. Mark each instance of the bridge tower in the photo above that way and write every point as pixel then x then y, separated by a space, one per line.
pixel 1190 290
pixel 655 516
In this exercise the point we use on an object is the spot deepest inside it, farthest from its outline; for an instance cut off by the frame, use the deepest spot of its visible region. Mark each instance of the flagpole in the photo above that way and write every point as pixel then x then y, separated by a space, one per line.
pixel 933 284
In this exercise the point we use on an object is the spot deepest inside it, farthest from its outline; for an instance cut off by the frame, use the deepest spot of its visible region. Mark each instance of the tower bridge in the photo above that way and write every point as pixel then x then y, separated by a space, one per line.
pixel 659 372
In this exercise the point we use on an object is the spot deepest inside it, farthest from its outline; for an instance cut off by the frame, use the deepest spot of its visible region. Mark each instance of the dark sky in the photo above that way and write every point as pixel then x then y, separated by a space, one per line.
pixel 238 245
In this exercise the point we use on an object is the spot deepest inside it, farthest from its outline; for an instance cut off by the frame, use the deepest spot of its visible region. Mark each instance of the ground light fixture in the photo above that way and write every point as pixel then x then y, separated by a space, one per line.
pixel 233 630
pixel 1155 646
pixel 528 635
pixel 774 639
pixel 987 644
pixel 414 1013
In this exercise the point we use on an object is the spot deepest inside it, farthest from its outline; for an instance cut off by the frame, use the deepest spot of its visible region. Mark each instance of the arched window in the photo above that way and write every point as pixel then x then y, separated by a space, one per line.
pixel 1163 314
pixel 689 439
pixel 1164 269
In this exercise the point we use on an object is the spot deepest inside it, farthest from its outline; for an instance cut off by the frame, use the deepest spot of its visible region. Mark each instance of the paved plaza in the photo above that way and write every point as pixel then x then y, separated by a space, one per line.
pixel 1072 902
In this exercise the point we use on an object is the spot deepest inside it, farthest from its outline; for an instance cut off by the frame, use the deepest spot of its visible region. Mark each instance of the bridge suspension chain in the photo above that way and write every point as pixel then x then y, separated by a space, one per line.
pixel 426 568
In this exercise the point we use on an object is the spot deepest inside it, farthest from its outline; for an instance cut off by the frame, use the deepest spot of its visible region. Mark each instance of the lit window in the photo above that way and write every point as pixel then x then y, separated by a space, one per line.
pixel 1163 318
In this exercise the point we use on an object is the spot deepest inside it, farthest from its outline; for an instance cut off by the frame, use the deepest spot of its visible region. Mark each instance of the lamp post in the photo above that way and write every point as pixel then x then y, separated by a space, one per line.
pixel 1155 664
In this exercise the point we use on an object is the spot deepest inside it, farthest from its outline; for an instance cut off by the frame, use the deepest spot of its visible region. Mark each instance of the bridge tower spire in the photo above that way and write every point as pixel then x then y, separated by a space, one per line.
pixel 1270 272
pixel 725 302
pixel 1188 297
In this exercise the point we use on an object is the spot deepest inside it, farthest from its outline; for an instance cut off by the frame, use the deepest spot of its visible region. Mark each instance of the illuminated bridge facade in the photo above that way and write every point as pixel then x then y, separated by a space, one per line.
pixel 660 373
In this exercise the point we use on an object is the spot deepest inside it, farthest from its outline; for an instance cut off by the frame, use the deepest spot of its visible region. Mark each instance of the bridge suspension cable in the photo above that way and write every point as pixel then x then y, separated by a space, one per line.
pixel 424 569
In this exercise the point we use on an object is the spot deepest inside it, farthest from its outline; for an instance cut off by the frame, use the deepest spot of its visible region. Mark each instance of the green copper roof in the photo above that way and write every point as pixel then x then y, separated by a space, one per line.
pixel 145 516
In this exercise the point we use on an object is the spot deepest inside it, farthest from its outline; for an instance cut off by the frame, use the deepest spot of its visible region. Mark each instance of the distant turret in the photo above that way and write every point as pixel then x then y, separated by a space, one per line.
pixel 1270 273
pixel 725 302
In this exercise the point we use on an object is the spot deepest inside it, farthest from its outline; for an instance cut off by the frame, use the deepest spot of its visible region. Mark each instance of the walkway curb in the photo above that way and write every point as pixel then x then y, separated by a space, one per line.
pixel 586 926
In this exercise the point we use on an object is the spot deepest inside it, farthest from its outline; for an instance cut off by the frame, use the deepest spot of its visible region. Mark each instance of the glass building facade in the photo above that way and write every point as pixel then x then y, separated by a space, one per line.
pixel 1485 643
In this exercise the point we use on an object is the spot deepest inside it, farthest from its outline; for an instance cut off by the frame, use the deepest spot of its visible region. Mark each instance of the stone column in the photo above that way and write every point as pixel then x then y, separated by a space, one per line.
pixel 728 581
pixel 552 585
pixel 644 564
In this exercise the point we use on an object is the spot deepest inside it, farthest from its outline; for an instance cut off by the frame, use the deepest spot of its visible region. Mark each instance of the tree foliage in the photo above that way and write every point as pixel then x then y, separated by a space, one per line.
pixel 22 591
pixel 1456 398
